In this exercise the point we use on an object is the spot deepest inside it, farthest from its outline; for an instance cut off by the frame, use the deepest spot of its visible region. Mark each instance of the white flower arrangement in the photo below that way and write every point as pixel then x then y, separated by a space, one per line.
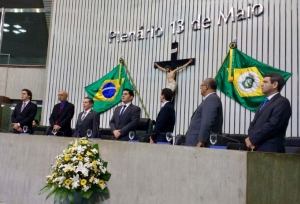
pixel 79 168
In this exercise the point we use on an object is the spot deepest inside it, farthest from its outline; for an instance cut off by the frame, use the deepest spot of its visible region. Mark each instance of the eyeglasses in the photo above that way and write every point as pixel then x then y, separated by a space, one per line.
pixel 203 85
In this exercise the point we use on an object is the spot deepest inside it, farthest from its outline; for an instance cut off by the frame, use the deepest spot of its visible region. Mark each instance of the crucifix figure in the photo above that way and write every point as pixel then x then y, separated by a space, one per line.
pixel 173 66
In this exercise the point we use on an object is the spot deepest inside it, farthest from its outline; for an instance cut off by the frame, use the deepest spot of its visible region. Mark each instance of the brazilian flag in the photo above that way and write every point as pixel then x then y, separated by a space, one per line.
pixel 107 91
pixel 240 78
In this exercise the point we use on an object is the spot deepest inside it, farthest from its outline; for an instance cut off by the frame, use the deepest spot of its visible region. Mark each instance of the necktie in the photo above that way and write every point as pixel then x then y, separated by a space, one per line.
pixel 83 115
pixel 264 104
pixel 122 111
pixel 59 112
pixel 60 109
pixel 23 106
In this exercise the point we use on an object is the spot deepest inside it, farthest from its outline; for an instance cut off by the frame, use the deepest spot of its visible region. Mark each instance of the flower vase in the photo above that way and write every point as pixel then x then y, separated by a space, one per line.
pixel 95 198
pixel 77 199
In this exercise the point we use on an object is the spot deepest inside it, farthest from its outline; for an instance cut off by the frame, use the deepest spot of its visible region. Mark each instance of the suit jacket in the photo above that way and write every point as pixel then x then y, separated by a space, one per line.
pixel 165 122
pixel 25 117
pixel 128 122
pixel 63 119
pixel 91 121
pixel 208 117
pixel 267 130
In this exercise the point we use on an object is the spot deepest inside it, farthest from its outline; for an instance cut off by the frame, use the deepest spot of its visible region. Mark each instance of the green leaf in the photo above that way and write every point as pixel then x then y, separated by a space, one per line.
pixel 106 176
pixel 87 194
pixel 71 198
pixel 51 193
pixel 64 194
pixel 57 195
pixel 105 164
pixel 45 189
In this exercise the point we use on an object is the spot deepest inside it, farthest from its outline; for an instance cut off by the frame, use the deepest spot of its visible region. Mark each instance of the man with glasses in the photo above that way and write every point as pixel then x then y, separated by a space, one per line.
pixel 207 117
pixel 62 115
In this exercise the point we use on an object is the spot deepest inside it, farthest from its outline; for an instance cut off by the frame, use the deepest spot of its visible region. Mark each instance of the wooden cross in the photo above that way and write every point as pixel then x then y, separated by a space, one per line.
pixel 174 63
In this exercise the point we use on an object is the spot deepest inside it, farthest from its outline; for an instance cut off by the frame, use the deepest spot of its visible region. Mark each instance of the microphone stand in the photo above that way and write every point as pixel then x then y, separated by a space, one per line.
pixel 229 138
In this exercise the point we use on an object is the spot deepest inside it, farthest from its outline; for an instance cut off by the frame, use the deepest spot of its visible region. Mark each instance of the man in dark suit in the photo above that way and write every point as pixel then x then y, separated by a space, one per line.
pixel 165 120
pixel 24 113
pixel 61 116
pixel 125 117
pixel 208 116
pixel 88 119
pixel 267 130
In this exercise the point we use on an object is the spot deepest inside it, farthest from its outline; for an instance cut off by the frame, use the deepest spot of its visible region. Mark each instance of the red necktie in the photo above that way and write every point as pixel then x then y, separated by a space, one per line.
pixel 59 112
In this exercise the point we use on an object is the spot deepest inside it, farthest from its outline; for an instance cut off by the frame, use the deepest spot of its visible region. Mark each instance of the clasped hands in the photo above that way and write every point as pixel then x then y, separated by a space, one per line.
pixel 249 144
pixel 17 127
pixel 117 133
pixel 56 127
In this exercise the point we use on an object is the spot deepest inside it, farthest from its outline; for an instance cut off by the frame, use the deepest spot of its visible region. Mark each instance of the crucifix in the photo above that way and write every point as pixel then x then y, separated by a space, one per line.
pixel 173 66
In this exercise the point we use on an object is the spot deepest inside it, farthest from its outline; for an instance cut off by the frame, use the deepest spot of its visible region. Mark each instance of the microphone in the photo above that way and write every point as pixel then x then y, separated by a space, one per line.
pixel 229 138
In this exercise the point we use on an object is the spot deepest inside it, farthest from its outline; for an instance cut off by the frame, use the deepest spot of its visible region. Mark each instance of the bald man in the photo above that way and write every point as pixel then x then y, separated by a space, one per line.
pixel 207 117
pixel 62 115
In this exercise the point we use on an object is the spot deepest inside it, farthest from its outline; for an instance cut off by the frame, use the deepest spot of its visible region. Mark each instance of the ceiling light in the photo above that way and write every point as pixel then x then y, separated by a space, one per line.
pixel 6 25
pixel 16 31
pixel 5 30
pixel 17 26
pixel 22 30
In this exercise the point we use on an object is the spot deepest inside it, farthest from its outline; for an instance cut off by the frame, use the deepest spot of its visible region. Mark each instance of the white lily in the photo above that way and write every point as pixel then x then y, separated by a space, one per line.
pixel 75 181
pixel 80 149
pixel 81 168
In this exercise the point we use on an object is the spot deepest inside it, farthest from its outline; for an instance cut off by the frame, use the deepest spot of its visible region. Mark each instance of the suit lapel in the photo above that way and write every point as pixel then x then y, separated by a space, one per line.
pixel 258 112
pixel 88 115
pixel 117 113
pixel 20 108
pixel 80 115
pixel 198 108
pixel 126 112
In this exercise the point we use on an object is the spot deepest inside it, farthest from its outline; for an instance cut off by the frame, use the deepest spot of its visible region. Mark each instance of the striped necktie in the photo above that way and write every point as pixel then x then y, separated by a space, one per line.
pixel 83 115
pixel 23 106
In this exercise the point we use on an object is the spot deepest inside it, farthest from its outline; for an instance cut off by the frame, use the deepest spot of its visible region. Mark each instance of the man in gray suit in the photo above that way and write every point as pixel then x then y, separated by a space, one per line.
pixel 88 119
pixel 125 117
pixel 208 116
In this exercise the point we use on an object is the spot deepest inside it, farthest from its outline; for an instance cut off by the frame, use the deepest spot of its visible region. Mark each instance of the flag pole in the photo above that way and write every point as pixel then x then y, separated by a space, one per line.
pixel 135 89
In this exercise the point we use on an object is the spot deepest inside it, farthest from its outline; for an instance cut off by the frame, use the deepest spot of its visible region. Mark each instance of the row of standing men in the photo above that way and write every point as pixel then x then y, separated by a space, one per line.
pixel 266 132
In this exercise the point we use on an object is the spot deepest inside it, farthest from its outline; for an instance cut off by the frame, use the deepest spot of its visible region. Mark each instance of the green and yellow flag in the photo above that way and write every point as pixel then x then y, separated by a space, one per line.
pixel 107 91
pixel 240 78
